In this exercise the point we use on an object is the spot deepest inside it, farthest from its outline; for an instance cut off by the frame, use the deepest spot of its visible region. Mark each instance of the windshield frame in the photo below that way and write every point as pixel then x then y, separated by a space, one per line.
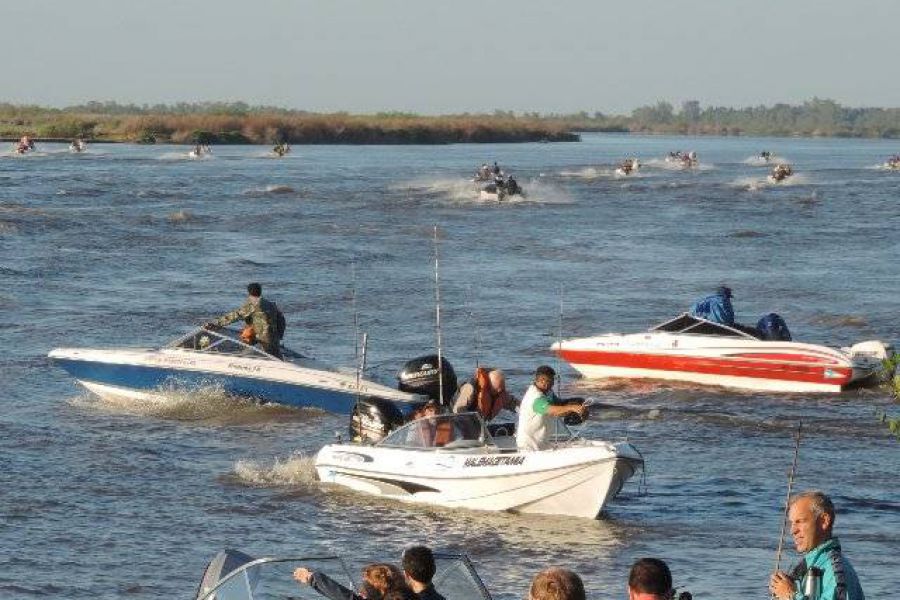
pixel 399 438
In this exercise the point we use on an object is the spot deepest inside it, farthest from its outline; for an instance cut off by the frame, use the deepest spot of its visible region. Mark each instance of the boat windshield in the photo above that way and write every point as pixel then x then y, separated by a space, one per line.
pixel 685 323
pixel 463 430
pixel 232 575
pixel 219 341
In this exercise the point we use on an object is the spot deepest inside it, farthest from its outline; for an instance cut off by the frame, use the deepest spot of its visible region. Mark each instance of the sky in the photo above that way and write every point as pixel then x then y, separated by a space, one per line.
pixel 450 56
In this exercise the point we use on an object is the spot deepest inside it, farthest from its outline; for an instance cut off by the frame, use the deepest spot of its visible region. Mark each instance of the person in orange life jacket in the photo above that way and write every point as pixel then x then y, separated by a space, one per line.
pixel 650 579
pixel 485 393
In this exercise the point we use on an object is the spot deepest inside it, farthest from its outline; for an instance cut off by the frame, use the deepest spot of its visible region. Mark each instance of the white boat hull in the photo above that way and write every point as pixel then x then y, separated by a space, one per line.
pixel 575 480
pixel 723 356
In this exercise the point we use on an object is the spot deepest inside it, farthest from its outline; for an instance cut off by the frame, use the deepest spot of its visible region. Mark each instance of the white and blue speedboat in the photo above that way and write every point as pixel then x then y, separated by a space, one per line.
pixel 217 358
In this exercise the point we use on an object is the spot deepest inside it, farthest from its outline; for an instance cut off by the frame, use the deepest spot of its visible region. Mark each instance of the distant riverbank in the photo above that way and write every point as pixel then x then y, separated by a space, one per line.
pixel 272 127
pixel 239 123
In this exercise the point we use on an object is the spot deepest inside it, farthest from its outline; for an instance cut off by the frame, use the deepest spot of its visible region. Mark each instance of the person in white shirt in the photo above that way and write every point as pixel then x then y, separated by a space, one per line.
pixel 540 411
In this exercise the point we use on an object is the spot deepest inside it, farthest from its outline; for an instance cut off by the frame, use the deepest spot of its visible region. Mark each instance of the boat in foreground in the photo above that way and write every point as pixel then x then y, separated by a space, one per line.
pixel 453 461
pixel 218 358
pixel 234 575
pixel 692 349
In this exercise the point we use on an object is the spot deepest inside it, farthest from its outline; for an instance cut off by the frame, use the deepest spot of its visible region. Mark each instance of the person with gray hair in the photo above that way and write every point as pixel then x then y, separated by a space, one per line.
pixel 811 517
pixel 556 583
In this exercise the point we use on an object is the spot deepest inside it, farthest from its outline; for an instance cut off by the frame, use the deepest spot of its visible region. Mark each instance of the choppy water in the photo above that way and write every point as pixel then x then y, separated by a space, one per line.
pixel 132 244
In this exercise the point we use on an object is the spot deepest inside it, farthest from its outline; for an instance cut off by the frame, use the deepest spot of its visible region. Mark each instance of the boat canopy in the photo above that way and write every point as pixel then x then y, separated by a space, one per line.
pixel 689 324
pixel 455 431
pixel 233 575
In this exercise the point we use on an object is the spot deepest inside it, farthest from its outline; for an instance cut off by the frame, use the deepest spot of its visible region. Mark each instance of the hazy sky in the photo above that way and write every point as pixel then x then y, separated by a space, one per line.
pixel 432 56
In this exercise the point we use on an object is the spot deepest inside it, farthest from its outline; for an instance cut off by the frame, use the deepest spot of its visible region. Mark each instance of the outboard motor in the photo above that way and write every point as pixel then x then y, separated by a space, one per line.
pixel 421 376
pixel 773 328
pixel 373 418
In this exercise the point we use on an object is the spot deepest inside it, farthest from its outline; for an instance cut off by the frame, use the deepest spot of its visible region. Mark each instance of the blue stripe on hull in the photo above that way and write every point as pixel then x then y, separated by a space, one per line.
pixel 156 378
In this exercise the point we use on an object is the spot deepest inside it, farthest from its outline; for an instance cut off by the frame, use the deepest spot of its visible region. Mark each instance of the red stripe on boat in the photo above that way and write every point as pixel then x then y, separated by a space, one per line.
pixel 731 367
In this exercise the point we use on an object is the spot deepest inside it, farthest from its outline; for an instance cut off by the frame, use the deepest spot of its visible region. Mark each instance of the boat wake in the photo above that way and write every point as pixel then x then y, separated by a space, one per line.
pixel 181 216
pixel 752 184
pixel 589 173
pixel 208 405
pixel 295 470
pixel 758 161
pixel 468 192
pixel 839 321
pixel 270 190
pixel 456 190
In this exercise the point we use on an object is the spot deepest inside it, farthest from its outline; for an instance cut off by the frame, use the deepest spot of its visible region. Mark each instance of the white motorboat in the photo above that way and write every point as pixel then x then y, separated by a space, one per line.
pixel 234 575
pixel 219 358
pixel 453 461
pixel 77 146
pixel 684 160
pixel 628 166
pixel 692 349
pixel 781 172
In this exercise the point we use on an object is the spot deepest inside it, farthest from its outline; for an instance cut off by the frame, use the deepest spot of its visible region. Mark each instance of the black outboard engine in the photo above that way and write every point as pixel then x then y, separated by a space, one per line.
pixel 773 328
pixel 421 376
pixel 373 418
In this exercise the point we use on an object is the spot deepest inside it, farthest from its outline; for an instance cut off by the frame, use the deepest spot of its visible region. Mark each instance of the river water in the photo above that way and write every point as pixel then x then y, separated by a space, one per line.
pixel 132 245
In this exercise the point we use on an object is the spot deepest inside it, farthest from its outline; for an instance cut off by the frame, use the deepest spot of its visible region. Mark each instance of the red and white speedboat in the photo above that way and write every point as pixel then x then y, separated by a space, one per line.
pixel 692 349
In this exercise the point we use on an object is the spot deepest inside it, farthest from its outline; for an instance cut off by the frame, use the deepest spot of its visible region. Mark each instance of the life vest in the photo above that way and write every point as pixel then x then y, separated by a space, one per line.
pixel 248 335
pixel 487 402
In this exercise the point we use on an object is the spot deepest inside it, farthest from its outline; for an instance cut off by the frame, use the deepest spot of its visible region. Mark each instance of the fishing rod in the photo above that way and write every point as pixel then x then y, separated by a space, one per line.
pixel 356 351
pixel 474 324
pixel 787 502
pixel 437 318
pixel 559 341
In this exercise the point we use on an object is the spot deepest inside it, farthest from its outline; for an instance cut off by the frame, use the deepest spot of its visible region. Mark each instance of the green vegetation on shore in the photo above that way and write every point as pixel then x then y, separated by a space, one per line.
pixel 239 123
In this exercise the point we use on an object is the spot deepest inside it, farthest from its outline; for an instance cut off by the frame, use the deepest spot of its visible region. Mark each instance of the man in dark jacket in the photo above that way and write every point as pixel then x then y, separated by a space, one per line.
pixel 418 567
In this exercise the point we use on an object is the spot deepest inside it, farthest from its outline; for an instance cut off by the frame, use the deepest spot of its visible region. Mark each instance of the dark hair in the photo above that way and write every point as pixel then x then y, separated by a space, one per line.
pixel 544 370
pixel 556 583
pixel 418 563
pixel 400 594
pixel 650 576
pixel 255 290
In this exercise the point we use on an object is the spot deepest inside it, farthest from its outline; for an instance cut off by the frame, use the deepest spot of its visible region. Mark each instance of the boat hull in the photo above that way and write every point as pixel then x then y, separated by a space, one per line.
pixel 574 481
pixel 149 374
pixel 750 365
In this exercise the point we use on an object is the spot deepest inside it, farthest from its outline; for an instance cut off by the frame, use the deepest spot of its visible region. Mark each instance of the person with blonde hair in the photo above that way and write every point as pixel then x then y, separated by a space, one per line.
pixel 556 583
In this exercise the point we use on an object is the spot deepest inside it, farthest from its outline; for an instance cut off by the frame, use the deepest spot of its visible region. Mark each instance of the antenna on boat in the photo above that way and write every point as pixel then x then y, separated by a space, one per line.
pixel 559 341
pixel 360 364
pixel 474 323
pixel 437 318
pixel 787 502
